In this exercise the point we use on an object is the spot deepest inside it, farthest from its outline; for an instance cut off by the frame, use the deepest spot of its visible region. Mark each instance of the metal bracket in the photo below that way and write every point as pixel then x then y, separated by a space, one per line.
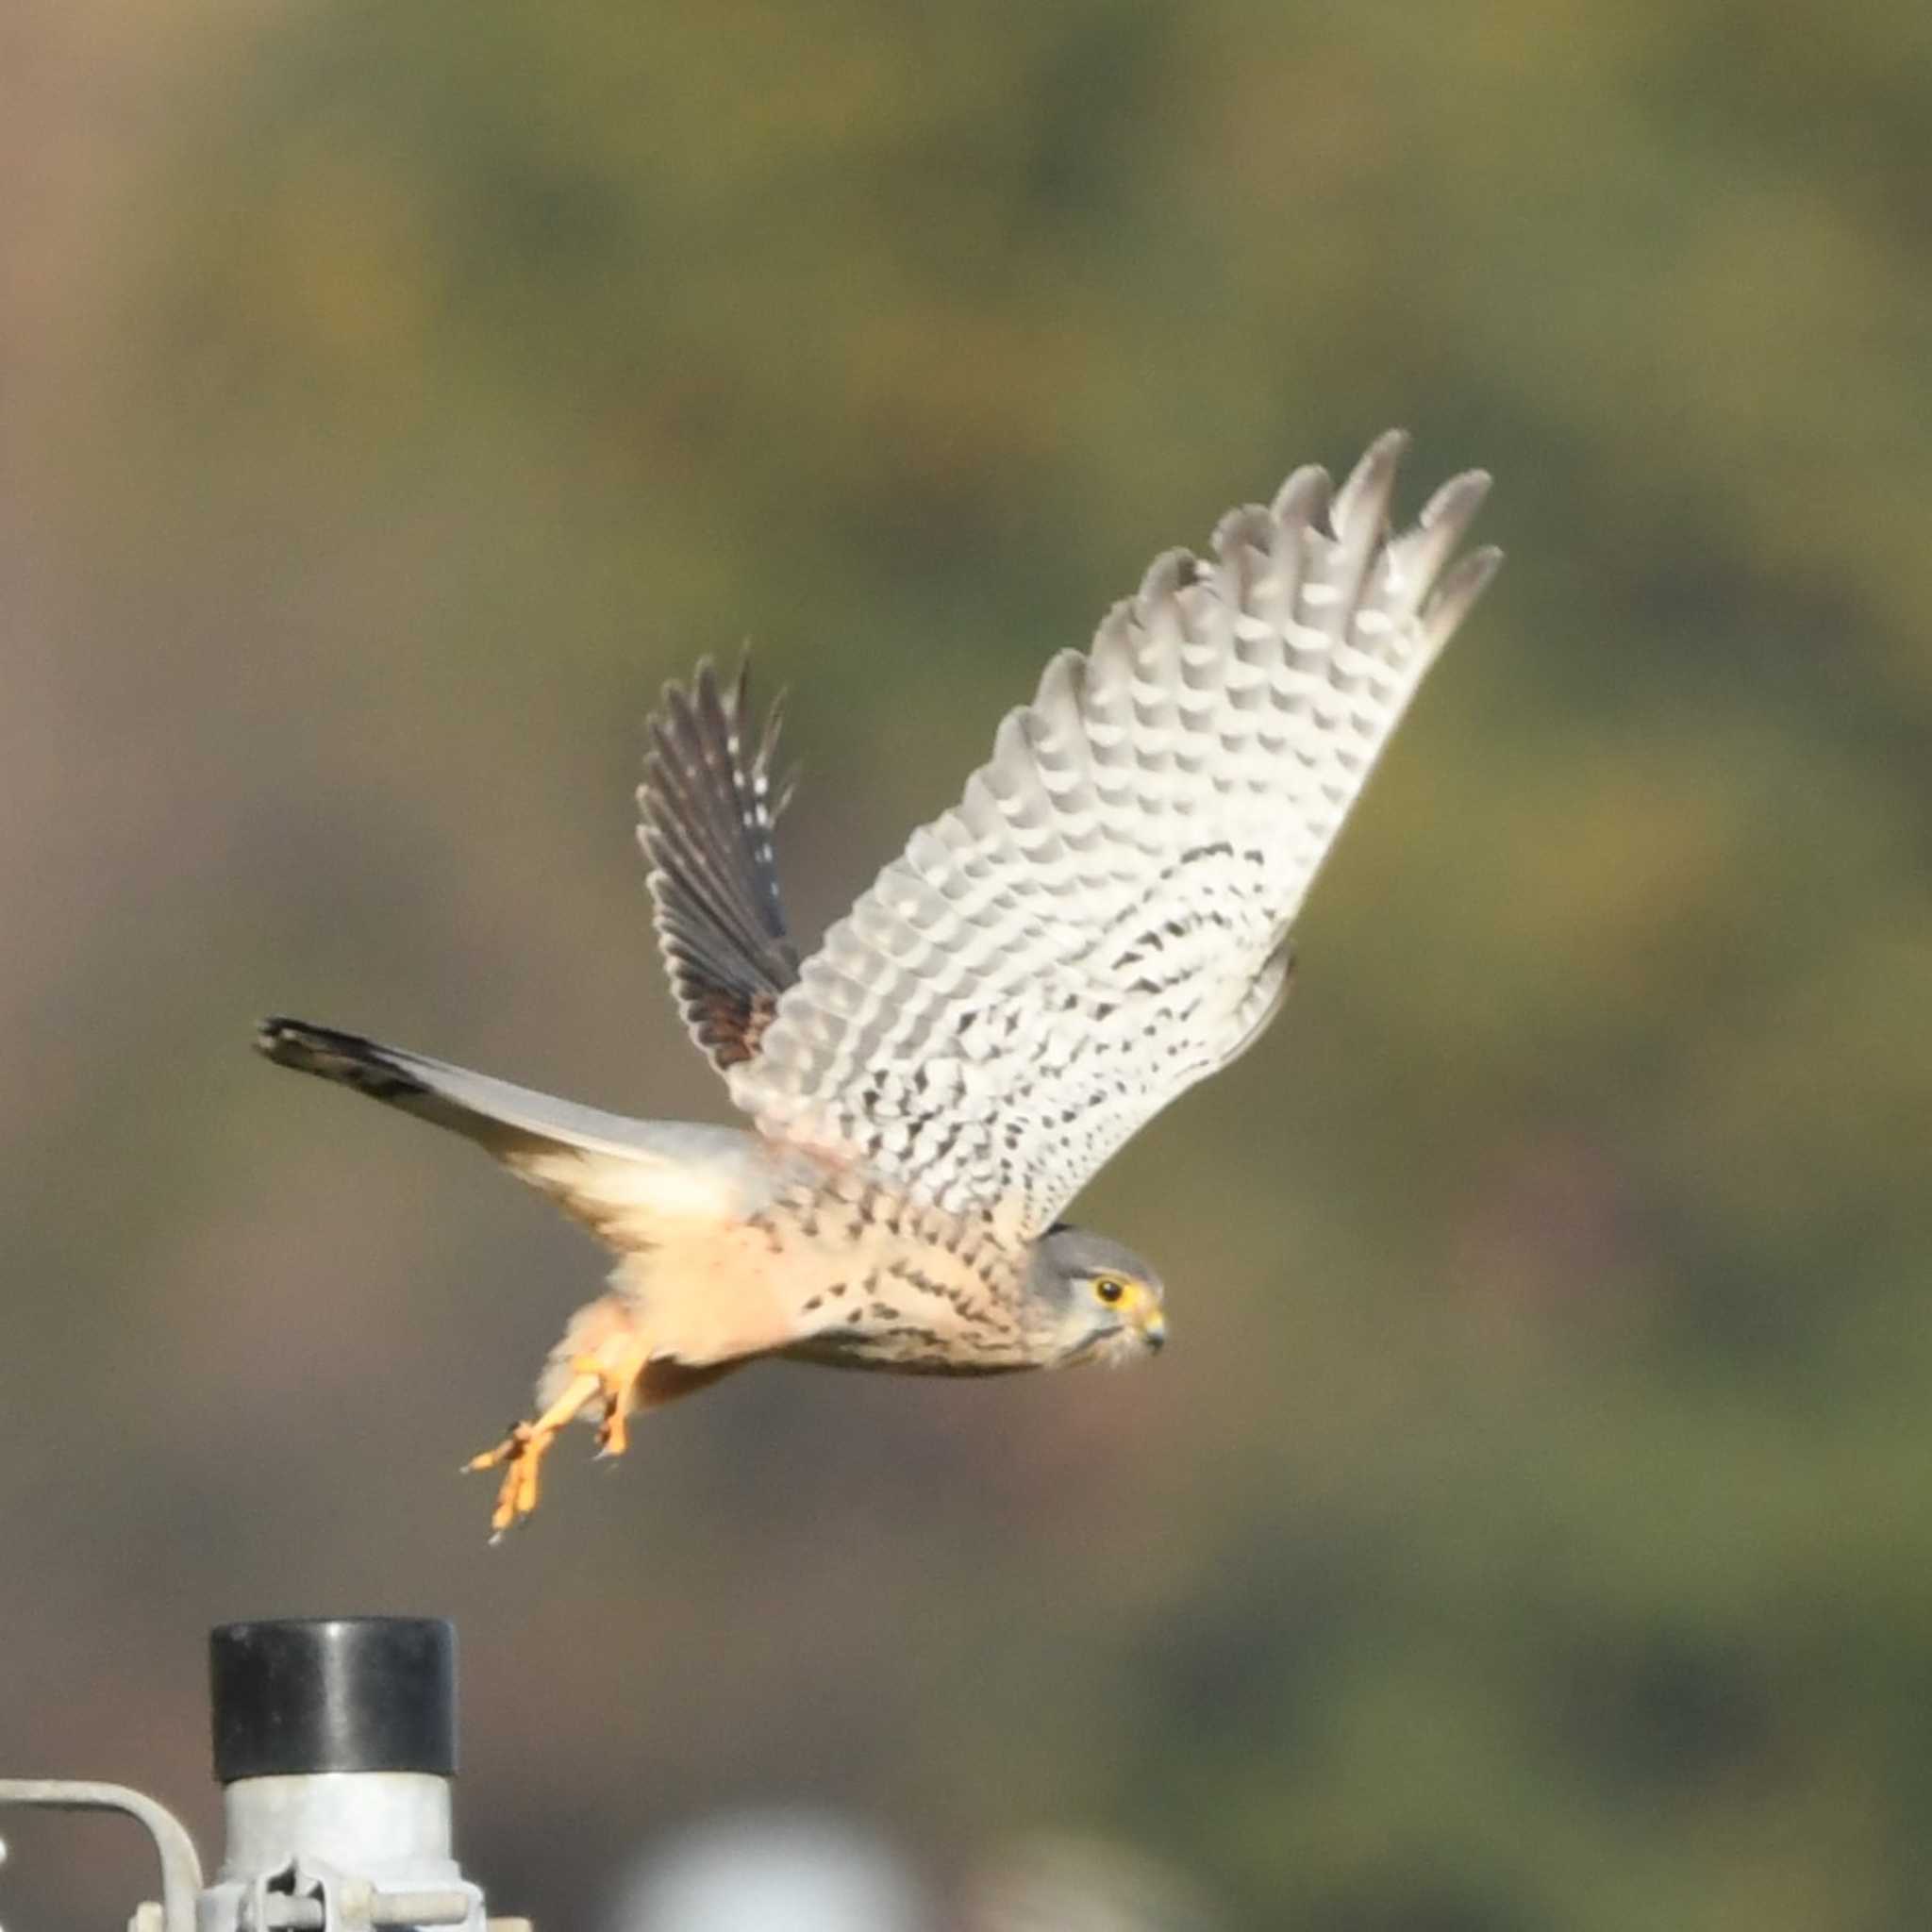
pixel 180 1863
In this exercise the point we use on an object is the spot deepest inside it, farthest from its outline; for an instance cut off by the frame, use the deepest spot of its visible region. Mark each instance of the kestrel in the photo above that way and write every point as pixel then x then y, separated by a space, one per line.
pixel 1104 918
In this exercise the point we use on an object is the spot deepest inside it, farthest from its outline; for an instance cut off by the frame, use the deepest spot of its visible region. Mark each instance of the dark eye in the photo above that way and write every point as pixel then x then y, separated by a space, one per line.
pixel 1108 1289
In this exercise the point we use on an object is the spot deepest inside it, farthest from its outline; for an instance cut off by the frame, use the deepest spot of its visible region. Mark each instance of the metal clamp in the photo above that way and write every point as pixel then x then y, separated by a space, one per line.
pixel 312 1896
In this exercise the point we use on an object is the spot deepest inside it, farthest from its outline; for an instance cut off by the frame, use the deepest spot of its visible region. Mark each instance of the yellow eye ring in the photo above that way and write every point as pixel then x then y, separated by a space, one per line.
pixel 1109 1290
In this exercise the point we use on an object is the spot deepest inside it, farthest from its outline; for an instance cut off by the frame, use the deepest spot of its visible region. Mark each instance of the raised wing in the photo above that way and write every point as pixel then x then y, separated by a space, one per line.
pixel 1103 918
pixel 707 813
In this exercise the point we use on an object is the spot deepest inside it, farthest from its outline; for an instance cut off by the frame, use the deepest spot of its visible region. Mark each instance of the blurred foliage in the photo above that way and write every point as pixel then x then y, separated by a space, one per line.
pixel 1529 1528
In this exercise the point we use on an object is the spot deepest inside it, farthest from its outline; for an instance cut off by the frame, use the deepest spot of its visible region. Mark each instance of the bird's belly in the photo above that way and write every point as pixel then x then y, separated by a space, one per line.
pixel 911 1351
pixel 876 1282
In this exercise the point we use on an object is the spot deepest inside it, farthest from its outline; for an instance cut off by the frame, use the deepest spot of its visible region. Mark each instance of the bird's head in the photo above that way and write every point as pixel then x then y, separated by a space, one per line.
pixel 1095 1299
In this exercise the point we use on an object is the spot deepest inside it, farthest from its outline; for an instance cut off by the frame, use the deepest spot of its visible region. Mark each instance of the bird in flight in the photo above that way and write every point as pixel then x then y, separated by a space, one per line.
pixel 1104 918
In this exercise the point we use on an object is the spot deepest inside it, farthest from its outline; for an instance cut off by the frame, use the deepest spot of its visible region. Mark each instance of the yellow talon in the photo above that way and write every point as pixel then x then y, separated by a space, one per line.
pixel 522 1454
pixel 607 1378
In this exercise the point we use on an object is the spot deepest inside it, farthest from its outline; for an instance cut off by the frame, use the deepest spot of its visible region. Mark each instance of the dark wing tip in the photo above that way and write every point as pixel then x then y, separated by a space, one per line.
pixel 708 806
pixel 1454 596
pixel 1365 493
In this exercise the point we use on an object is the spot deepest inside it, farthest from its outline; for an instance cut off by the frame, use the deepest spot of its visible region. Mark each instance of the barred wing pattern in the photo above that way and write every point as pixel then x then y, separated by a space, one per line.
pixel 1103 918
pixel 706 809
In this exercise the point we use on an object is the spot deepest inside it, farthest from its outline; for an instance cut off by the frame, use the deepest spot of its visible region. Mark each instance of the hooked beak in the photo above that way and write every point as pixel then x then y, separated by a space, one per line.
pixel 1153 1325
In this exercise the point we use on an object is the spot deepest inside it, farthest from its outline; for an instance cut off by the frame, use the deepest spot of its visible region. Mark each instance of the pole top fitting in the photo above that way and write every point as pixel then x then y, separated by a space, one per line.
pixel 297 1696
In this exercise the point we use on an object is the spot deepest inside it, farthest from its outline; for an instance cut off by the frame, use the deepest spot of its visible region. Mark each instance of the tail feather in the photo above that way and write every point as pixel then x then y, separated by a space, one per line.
pixel 629 1180
pixel 506 1119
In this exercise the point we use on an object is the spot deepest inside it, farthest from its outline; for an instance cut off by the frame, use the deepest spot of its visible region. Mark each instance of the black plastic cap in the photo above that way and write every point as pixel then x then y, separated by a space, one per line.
pixel 305 1694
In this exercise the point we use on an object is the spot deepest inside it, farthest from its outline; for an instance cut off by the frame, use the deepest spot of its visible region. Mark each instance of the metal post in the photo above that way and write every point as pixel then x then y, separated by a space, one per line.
pixel 335 1742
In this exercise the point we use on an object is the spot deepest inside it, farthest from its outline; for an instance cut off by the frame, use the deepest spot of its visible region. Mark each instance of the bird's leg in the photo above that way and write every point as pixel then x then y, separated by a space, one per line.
pixel 606 1375
pixel 617 1367
pixel 522 1451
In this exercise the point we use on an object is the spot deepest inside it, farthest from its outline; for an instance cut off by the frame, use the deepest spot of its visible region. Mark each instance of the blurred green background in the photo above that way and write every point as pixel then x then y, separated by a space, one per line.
pixel 1532 1523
